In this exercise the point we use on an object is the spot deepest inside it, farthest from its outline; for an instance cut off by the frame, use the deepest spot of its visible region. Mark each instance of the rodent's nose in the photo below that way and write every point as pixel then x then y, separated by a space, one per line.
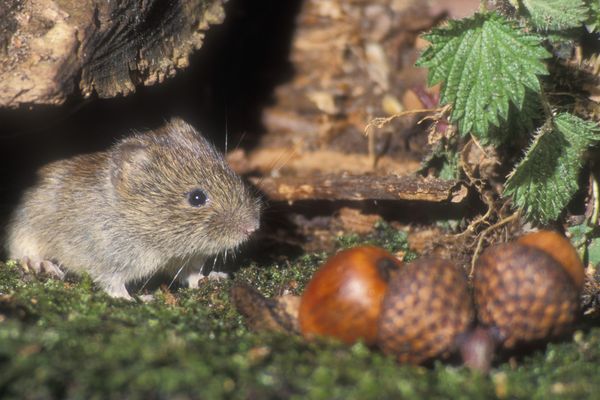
pixel 251 227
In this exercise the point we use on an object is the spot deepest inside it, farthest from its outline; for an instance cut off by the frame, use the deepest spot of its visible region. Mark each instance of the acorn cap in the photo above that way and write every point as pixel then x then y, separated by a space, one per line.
pixel 426 307
pixel 524 293
pixel 561 249
pixel 279 314
pixel 343 299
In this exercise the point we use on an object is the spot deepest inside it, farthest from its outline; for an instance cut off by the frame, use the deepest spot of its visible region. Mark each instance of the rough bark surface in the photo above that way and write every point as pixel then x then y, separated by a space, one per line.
pixel 50 49
pixel 362 187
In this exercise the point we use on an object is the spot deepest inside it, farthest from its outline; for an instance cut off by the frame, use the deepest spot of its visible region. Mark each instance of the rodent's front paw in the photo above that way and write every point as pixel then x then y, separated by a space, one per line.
pixel 146 298
pixel 117 291
pixel 46 267
pixel 217 276
pixel 194 279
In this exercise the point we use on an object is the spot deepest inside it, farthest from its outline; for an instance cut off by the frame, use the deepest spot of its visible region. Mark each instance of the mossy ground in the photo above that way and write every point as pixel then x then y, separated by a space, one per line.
pixel 69 340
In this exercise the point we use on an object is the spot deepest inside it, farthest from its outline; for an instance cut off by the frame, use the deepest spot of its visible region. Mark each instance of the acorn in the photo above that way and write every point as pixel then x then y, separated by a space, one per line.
pixel 559 248
pixel 344 297
pixel 278 314
pixel 427 311
pixel 529 290
pixel 524 291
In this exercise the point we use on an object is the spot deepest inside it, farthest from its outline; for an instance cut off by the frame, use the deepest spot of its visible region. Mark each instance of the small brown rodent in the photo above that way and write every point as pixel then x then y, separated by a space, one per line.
pixel 164 200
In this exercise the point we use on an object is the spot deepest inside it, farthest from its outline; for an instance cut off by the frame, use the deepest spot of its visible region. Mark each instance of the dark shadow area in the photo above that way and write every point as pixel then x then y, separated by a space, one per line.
pixel 228 83
pixel 280 237
pixel 390 210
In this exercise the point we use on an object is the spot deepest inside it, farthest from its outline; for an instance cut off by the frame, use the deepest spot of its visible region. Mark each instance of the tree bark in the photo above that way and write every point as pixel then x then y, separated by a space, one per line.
pixel 362 187
pixel 51 49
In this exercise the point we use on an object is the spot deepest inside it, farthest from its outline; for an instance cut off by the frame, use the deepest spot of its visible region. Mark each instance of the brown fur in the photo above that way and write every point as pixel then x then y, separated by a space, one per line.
pixel 123 214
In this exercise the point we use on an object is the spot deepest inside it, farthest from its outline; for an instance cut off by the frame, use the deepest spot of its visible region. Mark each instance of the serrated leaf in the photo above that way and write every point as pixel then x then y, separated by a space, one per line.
pixel 579 237
pixel 545 179
pixel 445 159
pixel 579 234
pixel 485 63
pixel 520 123
pixel 594 252
pixel 593 21
pixel 449 168
pixel 556 14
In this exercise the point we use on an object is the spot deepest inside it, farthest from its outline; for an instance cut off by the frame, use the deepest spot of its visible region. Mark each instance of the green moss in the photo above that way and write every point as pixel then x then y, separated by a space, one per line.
pixel 384 235
pixel 70 340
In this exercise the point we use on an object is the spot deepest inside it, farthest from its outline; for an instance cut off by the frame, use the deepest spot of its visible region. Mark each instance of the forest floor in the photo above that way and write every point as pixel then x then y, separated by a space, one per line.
pixel 68 339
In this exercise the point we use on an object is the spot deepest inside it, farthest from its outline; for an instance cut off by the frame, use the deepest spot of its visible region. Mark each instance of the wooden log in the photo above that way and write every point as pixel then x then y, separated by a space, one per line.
pixel 362 187
pixel 52 49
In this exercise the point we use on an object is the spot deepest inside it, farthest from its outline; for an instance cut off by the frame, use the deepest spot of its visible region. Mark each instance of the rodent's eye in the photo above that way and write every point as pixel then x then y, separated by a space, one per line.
pixel 197 198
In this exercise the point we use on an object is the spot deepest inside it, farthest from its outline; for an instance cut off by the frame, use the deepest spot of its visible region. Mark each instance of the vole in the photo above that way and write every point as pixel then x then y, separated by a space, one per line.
pixel 164 200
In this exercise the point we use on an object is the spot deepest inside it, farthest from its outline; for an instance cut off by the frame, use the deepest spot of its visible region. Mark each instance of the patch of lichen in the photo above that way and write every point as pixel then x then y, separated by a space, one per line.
pixel 70 340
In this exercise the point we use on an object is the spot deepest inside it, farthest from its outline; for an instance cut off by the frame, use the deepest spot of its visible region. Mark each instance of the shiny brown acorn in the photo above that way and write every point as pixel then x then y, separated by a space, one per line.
pixel 415 311
pixel 528 290
pixel 426 311
pixel 344 297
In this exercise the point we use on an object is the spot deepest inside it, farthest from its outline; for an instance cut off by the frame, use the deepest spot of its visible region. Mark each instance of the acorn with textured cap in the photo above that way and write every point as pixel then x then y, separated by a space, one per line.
pixel 344 297
pixel 524 291
pixel 426 309
pixel 529 290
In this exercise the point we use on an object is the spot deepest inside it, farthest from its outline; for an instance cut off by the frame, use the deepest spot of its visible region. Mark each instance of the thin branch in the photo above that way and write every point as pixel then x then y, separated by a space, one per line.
pixel 595 199
pixel 482 236
pixel 380 122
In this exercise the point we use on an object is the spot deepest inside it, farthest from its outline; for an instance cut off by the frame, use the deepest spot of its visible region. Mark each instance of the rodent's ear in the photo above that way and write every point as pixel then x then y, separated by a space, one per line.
pixel 178 122
pixel 178 125
pixel 182 131
pixel 126 158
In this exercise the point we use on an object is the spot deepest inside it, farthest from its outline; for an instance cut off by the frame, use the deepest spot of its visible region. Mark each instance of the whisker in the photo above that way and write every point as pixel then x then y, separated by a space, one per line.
pixel 226 134
pixel 290 153
pixel 225 256
pixel 226 128
pixel 175 277
pixel 240 140
pixel 184 264
pixel 145 283
pixel 279 158
pixel 214 262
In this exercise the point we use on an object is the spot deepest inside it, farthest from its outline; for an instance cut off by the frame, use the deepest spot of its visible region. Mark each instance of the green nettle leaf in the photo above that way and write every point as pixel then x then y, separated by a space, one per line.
pixel 445 159
pixel 546 178
pixel 450 168
pixel 594 252
pixel 579 237
pixel 579 234
pixel 556 14
pixel 485 63
pixel 520 123
pixel 593 21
